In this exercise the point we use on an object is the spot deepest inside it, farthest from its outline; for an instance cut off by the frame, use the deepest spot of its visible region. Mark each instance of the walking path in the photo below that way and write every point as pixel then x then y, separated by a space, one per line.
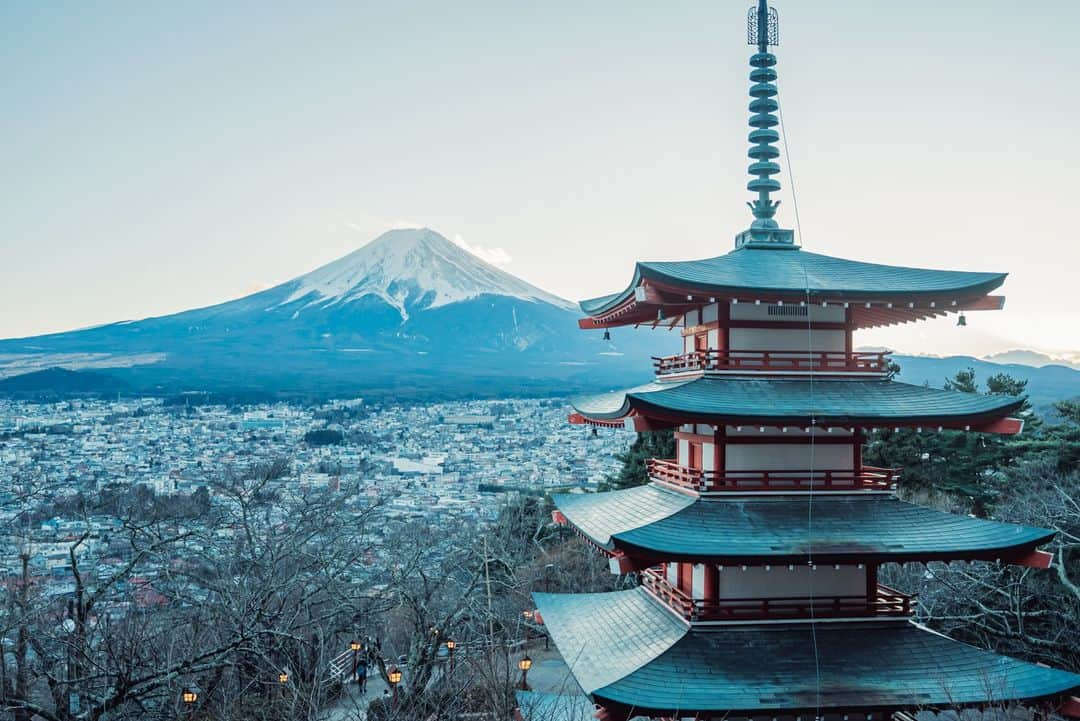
pixel 352 706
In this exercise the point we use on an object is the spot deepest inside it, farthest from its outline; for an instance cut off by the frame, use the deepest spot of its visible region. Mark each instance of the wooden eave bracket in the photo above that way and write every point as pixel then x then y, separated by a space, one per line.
pixel 1002 426
pixel 578 419
pixel 558 517
pixel 1071 707
pixel 604 714
pixel 623 564
pixel 1035 559
pixel 986 302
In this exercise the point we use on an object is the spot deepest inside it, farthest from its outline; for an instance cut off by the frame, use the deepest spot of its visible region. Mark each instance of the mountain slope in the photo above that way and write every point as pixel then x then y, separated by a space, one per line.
pixel 408 309
pixel 411 268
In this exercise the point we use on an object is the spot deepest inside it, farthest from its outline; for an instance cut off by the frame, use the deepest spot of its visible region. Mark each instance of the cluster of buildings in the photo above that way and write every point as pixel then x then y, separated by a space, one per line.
pixel 447 463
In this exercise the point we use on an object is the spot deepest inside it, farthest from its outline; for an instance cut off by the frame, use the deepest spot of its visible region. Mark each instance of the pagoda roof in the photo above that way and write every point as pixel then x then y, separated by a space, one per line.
pixel 785 271
pixel 825 402
pixel 653 522
pixel 628 651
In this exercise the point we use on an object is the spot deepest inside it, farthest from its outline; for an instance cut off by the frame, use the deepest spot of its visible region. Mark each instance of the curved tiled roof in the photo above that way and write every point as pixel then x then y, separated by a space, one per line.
pixel 625 650
pixel 654 522
pixel 749 401
pixel 788 270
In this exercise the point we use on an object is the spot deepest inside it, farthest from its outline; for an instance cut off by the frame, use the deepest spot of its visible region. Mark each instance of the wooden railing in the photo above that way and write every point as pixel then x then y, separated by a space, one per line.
pixel 774 361
pixel 695 479
pixel 886 602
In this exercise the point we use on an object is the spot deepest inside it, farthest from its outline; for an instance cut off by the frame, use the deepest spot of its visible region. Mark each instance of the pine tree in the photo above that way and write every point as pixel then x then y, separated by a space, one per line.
pixel 632 472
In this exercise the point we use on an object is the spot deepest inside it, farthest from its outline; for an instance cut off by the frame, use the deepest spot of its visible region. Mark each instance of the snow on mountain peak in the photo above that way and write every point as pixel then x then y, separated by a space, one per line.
pixel 405 267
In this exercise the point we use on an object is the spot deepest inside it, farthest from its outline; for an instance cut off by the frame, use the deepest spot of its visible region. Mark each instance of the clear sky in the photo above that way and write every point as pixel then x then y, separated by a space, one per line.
pixel 160 156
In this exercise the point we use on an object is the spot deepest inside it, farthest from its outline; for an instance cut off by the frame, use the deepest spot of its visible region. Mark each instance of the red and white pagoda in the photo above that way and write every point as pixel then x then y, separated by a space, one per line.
pixel 758 547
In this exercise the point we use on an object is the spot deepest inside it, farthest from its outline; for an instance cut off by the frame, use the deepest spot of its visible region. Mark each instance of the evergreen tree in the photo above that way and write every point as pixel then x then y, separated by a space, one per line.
pixel 958 463
pixel 632 472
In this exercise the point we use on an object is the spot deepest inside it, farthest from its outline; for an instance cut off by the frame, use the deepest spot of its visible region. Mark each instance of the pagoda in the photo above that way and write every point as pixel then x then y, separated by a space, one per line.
pixel 758 547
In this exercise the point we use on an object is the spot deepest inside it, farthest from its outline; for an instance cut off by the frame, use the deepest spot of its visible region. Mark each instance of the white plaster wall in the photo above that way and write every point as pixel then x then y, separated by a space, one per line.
pixel 708 456
pixel 790 339
pixel 794 456
pixel 684 453
pixel 698 581
pixel 673 574
pixel 779 582
pixel 714 338
pixel 710 313
pixel 691 318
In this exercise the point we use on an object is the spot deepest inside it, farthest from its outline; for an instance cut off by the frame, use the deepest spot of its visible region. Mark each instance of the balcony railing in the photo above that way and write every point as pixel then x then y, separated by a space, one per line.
pixel 869 478
pixel 773 361
pixel 887 602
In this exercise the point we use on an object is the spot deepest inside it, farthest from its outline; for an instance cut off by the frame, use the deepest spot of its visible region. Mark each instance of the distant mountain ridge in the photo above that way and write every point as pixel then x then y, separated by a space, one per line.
pixel 1031 358
pixel 1046 384
pixel 410 313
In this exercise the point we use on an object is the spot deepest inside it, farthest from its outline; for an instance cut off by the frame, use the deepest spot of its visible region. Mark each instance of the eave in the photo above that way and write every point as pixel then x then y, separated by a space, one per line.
pixel 803 403
pixel 652 524
pixel 628 652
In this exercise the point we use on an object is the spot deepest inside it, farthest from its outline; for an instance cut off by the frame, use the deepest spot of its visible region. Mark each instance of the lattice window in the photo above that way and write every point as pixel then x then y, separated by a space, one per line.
pixel 788 311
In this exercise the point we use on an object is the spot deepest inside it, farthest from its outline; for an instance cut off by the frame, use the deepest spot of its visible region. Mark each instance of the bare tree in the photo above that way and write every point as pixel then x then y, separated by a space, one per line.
pixel 1031 613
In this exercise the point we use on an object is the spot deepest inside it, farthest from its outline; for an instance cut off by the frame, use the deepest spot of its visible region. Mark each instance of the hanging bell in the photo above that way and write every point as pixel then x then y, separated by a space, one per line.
pixel 961 321
pixel 607 334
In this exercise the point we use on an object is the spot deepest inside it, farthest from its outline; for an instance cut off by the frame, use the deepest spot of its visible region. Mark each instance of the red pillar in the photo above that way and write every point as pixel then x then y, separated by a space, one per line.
pixel 711 584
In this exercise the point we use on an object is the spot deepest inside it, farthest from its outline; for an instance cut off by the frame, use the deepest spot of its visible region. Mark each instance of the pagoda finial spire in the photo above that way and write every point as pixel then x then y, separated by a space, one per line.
pixel 763 30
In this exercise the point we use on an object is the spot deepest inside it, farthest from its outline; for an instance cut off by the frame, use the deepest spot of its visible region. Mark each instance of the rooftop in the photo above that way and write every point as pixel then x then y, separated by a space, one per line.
pixel 652 522
pixel 823 402
pixel 627 651
pixel 790 274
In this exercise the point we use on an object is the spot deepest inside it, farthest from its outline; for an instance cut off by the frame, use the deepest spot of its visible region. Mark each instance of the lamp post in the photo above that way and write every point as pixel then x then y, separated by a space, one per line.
pixel 393 675
pixel 525 664
pixel 282 679
pixel 355 646
pixel 189 697
pixel 451 644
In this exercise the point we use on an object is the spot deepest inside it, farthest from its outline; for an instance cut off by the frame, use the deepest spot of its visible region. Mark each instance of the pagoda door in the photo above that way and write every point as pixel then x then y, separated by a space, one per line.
pixel 695 456
pixel 701 348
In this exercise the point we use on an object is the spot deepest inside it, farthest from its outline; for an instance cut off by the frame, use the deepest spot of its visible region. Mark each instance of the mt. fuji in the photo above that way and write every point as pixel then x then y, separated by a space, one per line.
pixel 411 268
pixel 409 314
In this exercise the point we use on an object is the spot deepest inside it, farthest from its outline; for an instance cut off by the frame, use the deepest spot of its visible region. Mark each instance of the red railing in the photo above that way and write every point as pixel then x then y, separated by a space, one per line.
pixel 695 479
pixel 773 360
pixel 886 602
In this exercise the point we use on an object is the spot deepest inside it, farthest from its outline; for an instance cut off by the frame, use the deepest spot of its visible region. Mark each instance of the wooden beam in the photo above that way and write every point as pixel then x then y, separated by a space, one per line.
pixel 1071 707
pixel 1002 426
pixel 1035 559
pixel 986 302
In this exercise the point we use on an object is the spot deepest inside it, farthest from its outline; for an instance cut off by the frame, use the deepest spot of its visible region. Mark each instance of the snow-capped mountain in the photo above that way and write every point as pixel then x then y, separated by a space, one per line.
pixel 410 311
pixel 411 268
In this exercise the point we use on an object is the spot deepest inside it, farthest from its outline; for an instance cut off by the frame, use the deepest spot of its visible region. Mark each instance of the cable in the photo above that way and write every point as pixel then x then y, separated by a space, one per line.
pixel 813 418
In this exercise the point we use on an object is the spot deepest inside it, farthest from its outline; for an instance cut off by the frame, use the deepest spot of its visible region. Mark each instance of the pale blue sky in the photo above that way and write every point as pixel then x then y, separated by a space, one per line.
pixel 160 156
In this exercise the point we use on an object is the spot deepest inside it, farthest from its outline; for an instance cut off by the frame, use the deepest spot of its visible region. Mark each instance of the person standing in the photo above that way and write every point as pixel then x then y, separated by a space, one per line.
pixel 361 674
